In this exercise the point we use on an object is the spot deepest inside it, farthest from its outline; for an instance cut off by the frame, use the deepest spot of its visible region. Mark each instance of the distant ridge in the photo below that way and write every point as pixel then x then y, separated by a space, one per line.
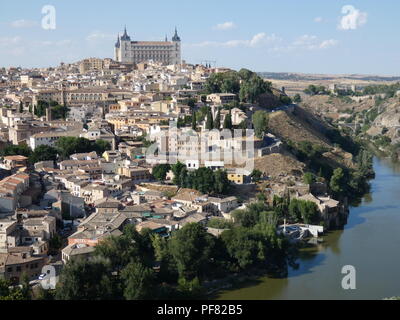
pixel 316 77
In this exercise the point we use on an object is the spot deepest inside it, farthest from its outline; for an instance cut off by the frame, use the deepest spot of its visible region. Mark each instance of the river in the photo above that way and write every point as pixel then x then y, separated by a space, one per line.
pixel 370 242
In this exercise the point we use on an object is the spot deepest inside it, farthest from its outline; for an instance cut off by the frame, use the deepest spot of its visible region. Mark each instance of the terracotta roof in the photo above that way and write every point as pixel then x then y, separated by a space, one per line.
pixel 16 158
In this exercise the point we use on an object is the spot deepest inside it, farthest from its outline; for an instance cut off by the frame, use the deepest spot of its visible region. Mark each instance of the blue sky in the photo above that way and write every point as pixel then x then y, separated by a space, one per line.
pixel 311 36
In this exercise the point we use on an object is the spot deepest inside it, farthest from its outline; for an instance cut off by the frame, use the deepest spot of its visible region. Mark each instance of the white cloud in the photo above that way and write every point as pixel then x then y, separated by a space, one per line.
pixel 96 36
pixel 22 23
pixel 258 39
pixel 225 26
pixel 352 19
pixel 63 43
pixel 328 43
pixel 12 46
pixel 306 42
pixel 60 43
pixel 310 42
pixel 318 19
pixel 7 41
pixel 273 43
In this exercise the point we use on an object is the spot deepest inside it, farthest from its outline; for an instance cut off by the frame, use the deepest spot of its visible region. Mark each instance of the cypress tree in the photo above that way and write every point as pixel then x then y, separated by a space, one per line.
pixel 217 122
pixel 194 121
pixel 228 121
pixel 209 123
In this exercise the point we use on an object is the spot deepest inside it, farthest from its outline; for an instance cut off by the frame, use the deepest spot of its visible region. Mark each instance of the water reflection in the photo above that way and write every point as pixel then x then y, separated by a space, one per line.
pixel 369 241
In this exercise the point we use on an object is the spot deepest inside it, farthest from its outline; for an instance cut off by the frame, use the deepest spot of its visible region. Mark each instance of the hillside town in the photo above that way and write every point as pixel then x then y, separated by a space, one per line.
pixel 82 198
pixel 150 142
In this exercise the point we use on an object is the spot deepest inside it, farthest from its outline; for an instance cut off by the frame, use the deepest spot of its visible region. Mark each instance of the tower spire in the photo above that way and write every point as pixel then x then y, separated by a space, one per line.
pixel 125 36
pixel 176 37
pixel 117 44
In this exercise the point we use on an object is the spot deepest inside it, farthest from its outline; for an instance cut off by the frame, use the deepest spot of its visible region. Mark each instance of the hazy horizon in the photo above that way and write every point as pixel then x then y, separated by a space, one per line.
pixel 312 37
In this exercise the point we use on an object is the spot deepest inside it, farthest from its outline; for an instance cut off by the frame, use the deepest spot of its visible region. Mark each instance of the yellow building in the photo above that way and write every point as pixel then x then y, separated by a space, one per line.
pixel 238 176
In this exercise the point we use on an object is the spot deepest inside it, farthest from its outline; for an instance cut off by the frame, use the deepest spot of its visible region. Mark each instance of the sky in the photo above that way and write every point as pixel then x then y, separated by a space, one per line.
pixel 307 36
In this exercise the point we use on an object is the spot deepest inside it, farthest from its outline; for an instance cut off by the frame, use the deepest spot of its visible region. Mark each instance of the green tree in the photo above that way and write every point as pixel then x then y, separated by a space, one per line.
pixel 13 150
pixel 242 247
pixel 250 216
pixel 86 280
pixel 138 281
pixel 120 251
pixel 25 287
pixel 192 102
pixel 227 82
pixel 245 74
pixel 40 109
pixel 203 180
pixel 55 244
pixel 256 175
pixel 177 171
pixel 297 98
pixel 337 183
pixel 70 145
pixel 308 178
pixel 260 122
pixel 314 90
pixel 21 107
pixel 228 121
pixel 217 122
pixel 222 183
pixel 43 153
pixel 294 210
pixel 192 247
pixel 10 294
pixel 252 88
pixel 160 171
pixel 209 121
pixel 101 146
pixel 284 99
pixel 4 287
pixel 194 121
pixel 59 112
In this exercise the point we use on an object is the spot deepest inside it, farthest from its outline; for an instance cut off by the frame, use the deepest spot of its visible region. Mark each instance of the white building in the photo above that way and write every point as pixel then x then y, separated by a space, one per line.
pixel 45 138
pixel 167 52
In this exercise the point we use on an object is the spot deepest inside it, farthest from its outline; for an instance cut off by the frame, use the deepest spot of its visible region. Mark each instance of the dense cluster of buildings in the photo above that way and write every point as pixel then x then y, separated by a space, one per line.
pixel 88 196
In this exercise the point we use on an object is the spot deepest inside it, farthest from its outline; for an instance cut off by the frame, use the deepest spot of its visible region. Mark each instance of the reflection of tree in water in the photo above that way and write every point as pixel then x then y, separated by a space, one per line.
pixel 264 288
pixel 329 241
pixel 385 162
pixel 368 198
pixel 332 241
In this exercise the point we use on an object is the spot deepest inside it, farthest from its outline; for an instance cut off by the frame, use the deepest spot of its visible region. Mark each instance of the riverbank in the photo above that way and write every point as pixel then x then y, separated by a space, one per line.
pixel 369 242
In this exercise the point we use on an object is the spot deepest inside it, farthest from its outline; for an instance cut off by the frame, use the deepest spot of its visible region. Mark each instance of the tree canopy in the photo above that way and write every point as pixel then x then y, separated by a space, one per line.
pixel 160 171
pixel 70 145
pixel 245 83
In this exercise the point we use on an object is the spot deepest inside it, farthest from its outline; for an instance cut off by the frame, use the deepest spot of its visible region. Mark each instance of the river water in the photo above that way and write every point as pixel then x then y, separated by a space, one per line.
pixel 370 242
